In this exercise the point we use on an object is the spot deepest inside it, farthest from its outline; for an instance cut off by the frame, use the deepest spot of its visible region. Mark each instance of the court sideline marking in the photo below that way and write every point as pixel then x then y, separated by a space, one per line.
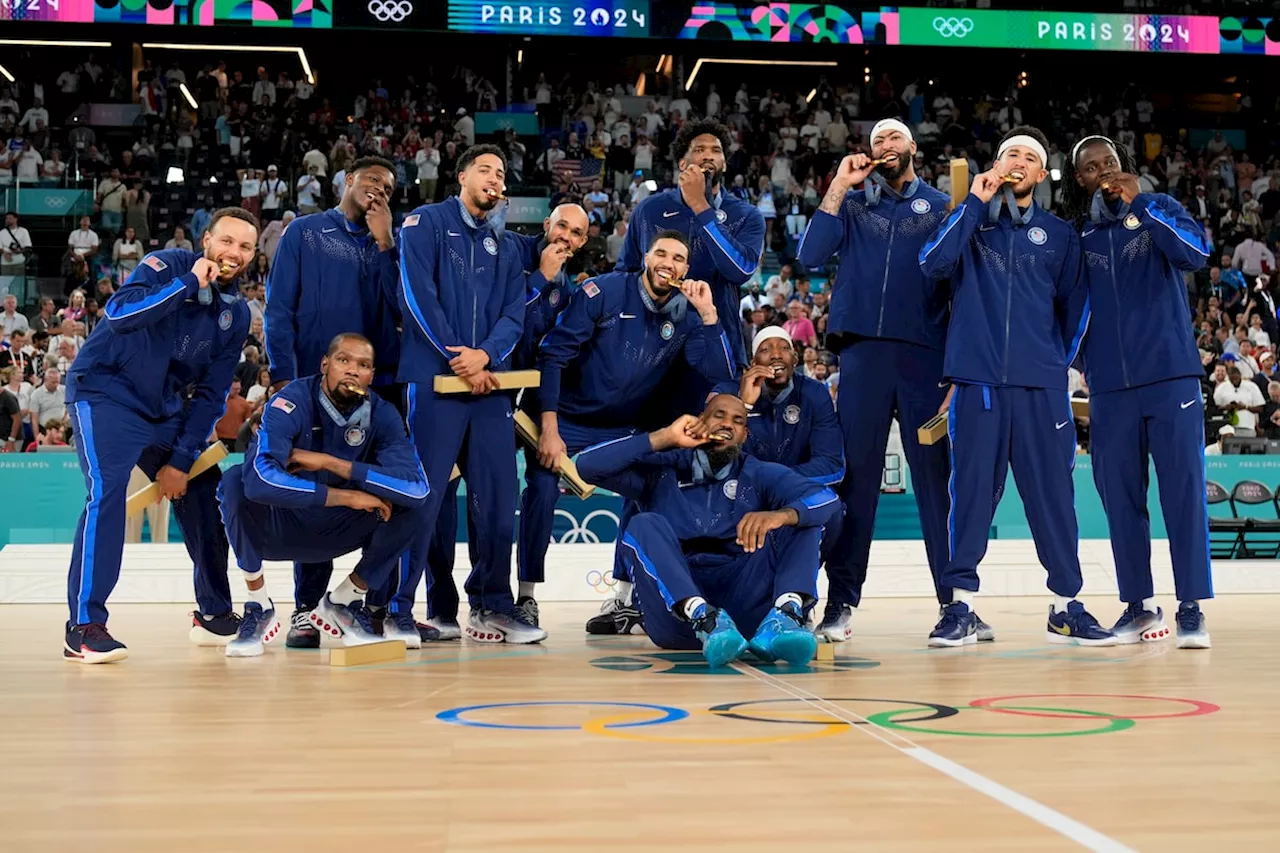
pixel 1072 829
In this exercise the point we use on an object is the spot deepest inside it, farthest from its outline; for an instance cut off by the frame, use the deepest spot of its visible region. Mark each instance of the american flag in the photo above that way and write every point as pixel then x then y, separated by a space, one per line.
pixel 581 173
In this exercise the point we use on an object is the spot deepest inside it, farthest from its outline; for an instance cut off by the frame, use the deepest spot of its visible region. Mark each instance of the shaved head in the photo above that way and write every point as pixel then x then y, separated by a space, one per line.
pixel 567 224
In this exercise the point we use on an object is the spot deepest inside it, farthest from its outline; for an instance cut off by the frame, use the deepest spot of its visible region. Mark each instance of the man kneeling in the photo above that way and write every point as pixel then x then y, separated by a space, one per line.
pixel 721 538
pixel 331 470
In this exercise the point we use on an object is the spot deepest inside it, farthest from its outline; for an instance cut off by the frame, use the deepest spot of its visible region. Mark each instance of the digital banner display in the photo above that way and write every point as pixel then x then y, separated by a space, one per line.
pixel 1059 30
pixel 617 18
pixel 289 14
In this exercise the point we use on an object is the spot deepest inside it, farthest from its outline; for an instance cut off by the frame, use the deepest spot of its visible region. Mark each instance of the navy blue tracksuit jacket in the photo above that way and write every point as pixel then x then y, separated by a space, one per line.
pixel 462 283
pixel 683 543
pixel 888 322
pixel 1017 315
pixel 329 277
pixel 146 389
pixel 1145 401
pixel 726 243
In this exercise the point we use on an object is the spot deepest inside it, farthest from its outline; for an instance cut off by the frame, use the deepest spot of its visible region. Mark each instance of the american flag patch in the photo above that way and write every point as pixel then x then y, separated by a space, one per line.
pixel 283 405
pixel 591 289
pixel 410 220
pixel 155 263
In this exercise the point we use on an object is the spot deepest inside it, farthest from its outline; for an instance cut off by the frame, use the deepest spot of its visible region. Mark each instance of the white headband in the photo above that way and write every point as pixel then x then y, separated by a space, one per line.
pixel 1075 149
pixel 764 335
pixel 1026 142
pixel 891 124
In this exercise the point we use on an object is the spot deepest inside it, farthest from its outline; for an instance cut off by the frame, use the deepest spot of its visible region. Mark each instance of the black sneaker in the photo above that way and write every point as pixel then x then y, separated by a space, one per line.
pixel 92 644
pixel 527 610
pixel 616 618
pixel 302 634
pixel 214 630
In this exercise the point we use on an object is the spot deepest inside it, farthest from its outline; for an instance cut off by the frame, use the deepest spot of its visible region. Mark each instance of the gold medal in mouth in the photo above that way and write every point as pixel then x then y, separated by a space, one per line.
pixel 355 389
pixel 495 195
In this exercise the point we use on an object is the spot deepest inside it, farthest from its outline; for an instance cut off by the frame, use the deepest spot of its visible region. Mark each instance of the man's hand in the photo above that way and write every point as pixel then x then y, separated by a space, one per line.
pixel 693 187
pixel 853 170
pixel 753 383
pixel 173 483
pixel 551 449
pixel 699 295
pixel 378 218
pixel 206 271
pixel 552 261
pixel 754 526
pixel 1124 185
pixel 946 401
pixel 468 361
pixel 987 184
pixel 369 503
pixel 307 460
pixel 687 431
pixel 482 383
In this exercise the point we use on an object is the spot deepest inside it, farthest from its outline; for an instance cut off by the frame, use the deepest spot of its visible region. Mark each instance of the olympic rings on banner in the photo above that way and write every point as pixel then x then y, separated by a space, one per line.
pixel 454 715
pixel 728 709
pixel 609 727
pixel 885 719
pixel 1198 708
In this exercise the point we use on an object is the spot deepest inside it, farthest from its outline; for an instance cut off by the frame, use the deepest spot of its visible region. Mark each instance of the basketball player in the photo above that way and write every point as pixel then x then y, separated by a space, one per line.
pixel 1145 403
pixel 888 324
pixel 720 538
pixel 1013 268
pixel 334 272
pixel 176 324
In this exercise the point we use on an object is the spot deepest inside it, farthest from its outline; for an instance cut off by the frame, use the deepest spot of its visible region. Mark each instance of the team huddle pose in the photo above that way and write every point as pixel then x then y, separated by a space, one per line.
pixel 740 480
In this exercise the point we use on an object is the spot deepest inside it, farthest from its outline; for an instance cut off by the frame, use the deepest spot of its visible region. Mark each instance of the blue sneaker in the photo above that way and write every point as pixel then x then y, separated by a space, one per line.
pixel 957 627
pixel 258 627
pixel 986 634
pixel 1138 625
pixel 351 622
pixel 783 636
pixel 721 640
pixel 400 626
pixel 92 644
pixel 1077 627
pixel 1191 630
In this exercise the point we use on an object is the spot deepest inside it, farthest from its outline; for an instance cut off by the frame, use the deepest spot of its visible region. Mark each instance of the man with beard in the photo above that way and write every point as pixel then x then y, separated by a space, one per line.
pixel 462 288
pixel 602 367
pixel 1014 269
pixel 1144 404
pixel 720 539
pixel 725 233
pixel 547 290
pixel 146 390
pixel 888 324
pixel 334 272
pixel 329 471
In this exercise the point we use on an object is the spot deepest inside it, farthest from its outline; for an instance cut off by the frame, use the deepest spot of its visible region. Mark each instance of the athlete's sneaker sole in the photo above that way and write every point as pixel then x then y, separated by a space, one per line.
pixel 88 657
pixel 447 632
pixel 1065 640
pixel 944 643
pixel 835 635
pixel 494 635
pixel 255 649
pixel 205 638
pixel 1194 641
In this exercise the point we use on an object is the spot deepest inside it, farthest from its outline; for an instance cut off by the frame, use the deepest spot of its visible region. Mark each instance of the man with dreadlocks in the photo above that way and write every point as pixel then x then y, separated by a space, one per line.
pixel 1012 266
pixel 1145 401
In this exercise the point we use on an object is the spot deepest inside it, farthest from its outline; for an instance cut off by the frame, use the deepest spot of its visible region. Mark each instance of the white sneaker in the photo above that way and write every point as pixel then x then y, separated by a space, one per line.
pixel 400 626
pixel 258 627
pixel 448 630
pixel 487 626
pixel 350 622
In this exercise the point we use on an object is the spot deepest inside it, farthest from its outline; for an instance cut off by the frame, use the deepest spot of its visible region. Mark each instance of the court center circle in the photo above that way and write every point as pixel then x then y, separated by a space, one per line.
pixel 1198 708
pixel 454 716
pixel 885 719
pixel 728 709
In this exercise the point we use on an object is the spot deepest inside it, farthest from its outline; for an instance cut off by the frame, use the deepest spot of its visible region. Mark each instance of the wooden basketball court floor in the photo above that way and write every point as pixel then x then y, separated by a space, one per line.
pixel 612 745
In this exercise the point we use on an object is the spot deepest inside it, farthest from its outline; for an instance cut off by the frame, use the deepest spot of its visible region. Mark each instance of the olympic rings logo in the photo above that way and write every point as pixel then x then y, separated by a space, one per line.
pixel 390 10
pixel 953 27
pixel 579 532
pixel 601 582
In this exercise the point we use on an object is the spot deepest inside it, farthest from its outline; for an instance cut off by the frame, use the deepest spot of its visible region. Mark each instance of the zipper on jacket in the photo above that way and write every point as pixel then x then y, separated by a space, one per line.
pixel 1115 289
pixel 475 299
pixel 1008 306
pixel 888 257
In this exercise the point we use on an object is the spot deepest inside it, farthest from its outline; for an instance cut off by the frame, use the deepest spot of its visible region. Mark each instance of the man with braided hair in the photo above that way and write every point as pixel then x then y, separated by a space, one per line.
pixel 1145 404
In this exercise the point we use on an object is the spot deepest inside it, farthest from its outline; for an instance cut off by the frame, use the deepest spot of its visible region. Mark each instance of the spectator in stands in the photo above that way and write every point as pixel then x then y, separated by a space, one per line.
pixel 1251 256
pixel 67 351
pixel 179 239
pixel 48 403
pixel 798 325
pixel 10 409
pixel 74 311
pixel 127 253
pixel 257 274
pixel 110 201
pixel 10 319
pixel 46 319
pixel 261 389
pixel 1257 334
pixel 1224 432
pixel 200 219
pixel 237 412
pixel 271 234
pixel 1269 425
pixel 137 201
pixel 83 242
pixel 19 355
pixel 54 434
pixel 274 194
pixel 54 168
pixel 1243 399
pixel 781 283
pixel 310 191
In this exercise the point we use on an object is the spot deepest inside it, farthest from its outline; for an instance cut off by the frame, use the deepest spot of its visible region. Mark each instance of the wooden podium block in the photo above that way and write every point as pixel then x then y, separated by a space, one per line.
pixel 387 651
pixel 508 380
pixel 826 652
pixel 959 182
pixel 933 430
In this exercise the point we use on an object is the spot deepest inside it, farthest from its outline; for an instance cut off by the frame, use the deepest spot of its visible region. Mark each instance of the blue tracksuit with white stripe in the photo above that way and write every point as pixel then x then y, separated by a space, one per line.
pixel 271 513
pixel 461 284
pixel 889 324
pixel 1017 314
pixel 725 242
pixel 146 390
pixel 601 368
pixel 682 542
pixel 328 277
pixel 1145 400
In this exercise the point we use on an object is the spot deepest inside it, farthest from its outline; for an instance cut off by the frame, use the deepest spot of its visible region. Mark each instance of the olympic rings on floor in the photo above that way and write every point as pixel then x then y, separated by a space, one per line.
pixel 1198 708
pixel 454 715
pixel 611 727
pixel 885 719
pixel 728 709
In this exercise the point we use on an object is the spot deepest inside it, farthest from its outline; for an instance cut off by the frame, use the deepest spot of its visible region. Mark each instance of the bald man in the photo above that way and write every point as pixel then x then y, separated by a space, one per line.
pixel 544 257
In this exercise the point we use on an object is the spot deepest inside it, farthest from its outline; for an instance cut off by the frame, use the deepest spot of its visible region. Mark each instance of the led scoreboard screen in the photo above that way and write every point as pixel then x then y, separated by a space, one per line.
pixel 619 18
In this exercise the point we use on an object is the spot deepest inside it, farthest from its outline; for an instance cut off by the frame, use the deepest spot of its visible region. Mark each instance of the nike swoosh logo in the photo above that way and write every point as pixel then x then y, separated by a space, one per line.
pixel 1187 404
pixel 668 214
pixel 453 234
pixel 327 230
pixel 1065 630
pixel 1061 425
pixel 626 316
pixel 944 384
pixel 1087 233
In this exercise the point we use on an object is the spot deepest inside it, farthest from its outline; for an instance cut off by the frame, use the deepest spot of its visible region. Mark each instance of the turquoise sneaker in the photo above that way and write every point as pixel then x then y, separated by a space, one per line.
pixel 722 642
pixel 783 635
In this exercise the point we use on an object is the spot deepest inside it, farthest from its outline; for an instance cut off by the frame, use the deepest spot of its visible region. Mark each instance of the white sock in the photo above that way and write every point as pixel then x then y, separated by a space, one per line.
pixel 526 589
pixel 260 595
pixel 346 592
pixel 1149 604
pixel 964 596
pixel 1060 603
pixel 623 592
pixel 691 605
pixel 789 598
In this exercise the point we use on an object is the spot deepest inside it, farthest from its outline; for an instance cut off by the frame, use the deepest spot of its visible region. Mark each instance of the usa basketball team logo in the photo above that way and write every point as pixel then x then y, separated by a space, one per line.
pixel 1131 222
pixel 1037 235
pixel 731 489
pixel 721 216
pixel 354 436
pixel 792 415
pixel 224 320
pixel 668 330
pixel 921 206
pixel 554 297
pixel 491 245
